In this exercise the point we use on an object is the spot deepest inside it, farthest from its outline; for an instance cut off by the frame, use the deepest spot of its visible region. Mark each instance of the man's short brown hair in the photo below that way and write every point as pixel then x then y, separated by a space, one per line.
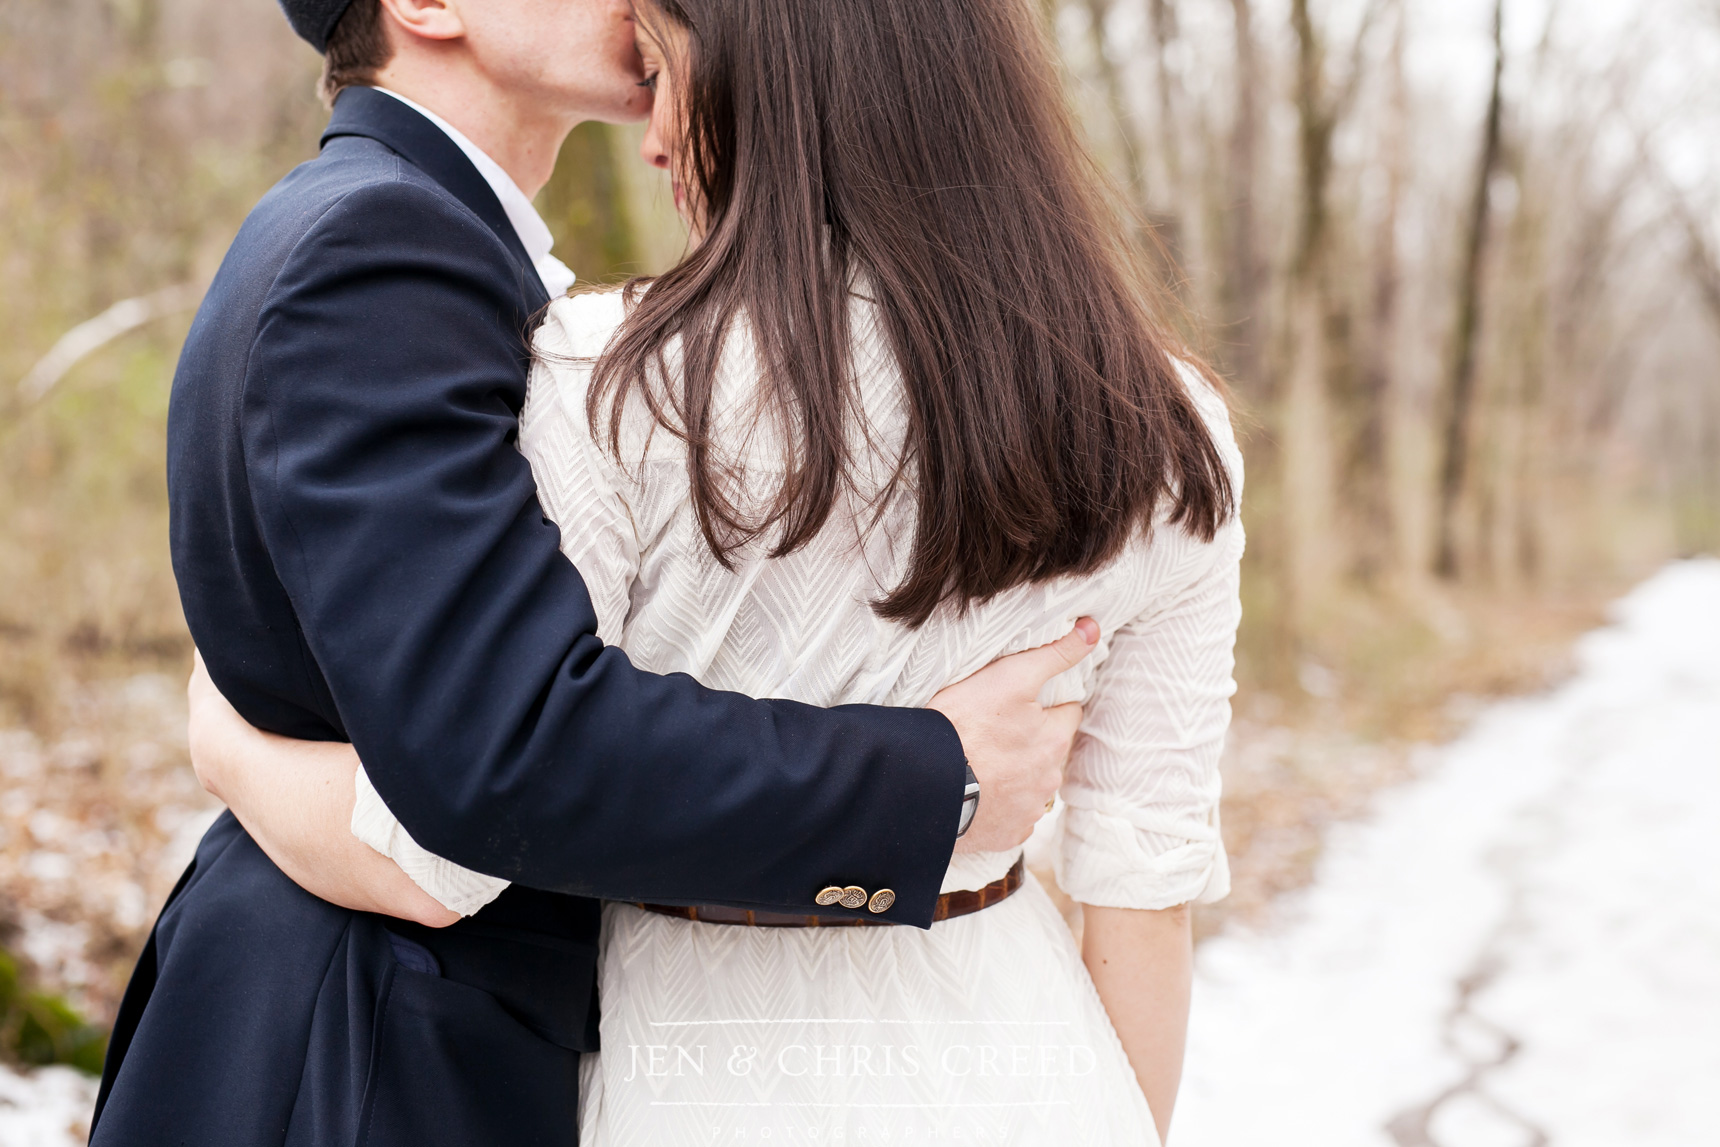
pixel 358 49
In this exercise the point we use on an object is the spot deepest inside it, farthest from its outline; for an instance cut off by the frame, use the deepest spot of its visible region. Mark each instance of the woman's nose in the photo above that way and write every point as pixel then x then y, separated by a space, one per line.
pixel 651 149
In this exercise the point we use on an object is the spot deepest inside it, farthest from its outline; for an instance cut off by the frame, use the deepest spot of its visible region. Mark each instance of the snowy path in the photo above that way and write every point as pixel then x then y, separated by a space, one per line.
pixel 1520 947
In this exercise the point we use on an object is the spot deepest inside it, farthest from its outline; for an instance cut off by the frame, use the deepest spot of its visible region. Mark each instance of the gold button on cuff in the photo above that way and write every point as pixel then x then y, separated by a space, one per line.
pixel 853 896
pixel 828 896
pixel 881 900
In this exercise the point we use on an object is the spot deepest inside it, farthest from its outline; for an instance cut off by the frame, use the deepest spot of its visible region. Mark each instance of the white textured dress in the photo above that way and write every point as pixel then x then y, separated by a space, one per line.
pixel 985 1029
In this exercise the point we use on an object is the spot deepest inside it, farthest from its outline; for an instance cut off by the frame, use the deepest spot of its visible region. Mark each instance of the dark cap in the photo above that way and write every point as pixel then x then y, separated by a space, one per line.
pixel 314 20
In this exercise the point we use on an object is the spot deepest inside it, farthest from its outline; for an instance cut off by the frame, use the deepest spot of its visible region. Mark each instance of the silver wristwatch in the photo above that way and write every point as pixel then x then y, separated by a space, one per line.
pixel 970 802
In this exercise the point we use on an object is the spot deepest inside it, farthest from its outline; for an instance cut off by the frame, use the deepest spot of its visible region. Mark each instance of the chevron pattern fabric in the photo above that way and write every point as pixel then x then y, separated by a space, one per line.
pixel 718 1034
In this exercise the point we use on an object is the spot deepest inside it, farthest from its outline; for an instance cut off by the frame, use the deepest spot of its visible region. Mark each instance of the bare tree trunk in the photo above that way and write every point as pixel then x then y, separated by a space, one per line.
pixel 1318 345
pixel 1527 536
pixel 1700 258
pixel 1116 99
pixel 1368 478
pixel 1314 125
pixel 1304 409
pixel 1704 267
pixel 1243 270
pixel 1305 515
pixel 1460 400
pixel 1163 21
pixel 1532 262
pixel 1160 214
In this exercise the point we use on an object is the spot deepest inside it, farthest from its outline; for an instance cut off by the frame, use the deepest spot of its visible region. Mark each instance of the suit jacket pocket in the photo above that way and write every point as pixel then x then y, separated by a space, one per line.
pixel 545 981
pixel 452 1066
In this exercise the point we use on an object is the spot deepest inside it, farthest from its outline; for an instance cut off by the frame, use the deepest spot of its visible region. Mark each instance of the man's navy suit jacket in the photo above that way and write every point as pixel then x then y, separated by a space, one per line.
pixel 361 556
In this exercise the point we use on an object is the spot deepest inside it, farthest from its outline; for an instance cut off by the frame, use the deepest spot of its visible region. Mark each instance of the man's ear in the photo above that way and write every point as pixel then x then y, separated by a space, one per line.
pixel 425 19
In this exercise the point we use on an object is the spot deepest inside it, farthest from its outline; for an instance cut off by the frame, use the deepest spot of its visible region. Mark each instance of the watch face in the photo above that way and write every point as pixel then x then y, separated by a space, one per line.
pixel 969 807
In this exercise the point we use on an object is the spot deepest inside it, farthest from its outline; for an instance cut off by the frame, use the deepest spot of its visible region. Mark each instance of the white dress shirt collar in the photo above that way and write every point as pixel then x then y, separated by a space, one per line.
pixel 528 224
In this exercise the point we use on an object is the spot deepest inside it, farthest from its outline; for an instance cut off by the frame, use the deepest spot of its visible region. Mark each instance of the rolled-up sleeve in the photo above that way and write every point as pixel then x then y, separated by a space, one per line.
pixel 455 888
pixel 1141 828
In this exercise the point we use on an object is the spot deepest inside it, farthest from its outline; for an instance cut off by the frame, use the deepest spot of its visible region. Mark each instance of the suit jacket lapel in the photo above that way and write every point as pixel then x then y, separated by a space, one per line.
pixel 367 112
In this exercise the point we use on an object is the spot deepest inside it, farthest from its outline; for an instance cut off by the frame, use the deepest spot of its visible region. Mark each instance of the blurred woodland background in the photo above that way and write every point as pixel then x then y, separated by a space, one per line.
pixel 1458 258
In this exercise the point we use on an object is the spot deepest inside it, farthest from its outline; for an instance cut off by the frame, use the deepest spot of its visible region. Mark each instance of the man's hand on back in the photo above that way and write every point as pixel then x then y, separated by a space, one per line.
pixel 1015 747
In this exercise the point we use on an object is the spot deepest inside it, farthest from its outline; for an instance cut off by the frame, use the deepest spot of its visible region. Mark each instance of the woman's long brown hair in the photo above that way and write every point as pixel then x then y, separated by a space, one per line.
pixel 918 151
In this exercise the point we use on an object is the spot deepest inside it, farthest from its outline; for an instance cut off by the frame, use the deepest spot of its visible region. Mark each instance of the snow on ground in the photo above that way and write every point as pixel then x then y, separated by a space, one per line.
pixel 47 1108
pixel 1520 947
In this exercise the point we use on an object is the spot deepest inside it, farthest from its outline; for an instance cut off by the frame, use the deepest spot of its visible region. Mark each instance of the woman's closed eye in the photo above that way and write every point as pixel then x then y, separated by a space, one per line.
pixel 649 82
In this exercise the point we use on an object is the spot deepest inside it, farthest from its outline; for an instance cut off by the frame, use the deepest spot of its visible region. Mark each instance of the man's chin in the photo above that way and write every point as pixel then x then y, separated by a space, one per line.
pixel 630 105
pixel 622 116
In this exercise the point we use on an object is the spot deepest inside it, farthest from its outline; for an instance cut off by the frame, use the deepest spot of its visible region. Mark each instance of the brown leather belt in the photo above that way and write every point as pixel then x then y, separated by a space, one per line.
pixel 950 904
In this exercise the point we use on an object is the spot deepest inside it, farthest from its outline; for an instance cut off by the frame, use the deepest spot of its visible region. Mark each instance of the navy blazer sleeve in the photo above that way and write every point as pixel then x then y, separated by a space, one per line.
pixel 459 646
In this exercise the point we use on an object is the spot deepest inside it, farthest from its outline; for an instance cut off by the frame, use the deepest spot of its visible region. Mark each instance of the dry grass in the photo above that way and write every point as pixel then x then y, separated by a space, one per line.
pixel 93 657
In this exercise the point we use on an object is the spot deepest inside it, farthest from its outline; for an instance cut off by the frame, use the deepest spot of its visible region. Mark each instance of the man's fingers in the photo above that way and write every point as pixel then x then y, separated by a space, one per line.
pixel 202 687
pixel 1032 668
pixel 199 679
pixel 1066 719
